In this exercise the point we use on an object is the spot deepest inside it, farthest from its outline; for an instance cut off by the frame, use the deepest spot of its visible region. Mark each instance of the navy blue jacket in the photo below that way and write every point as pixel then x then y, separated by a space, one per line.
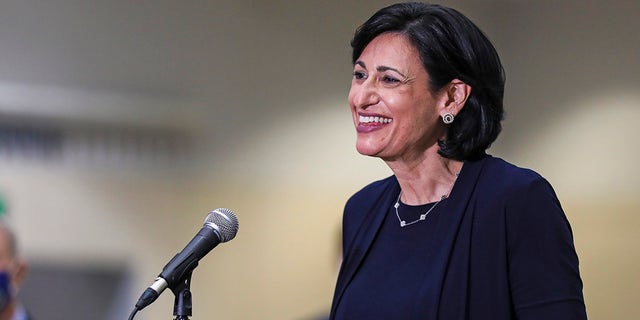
pixel 508 247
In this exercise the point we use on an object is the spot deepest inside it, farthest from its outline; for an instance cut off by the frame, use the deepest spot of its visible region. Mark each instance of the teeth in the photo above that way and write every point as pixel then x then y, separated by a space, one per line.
pixel 364 119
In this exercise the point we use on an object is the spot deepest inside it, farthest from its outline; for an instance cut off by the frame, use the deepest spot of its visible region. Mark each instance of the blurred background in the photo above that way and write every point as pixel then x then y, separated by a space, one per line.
pixel 123 123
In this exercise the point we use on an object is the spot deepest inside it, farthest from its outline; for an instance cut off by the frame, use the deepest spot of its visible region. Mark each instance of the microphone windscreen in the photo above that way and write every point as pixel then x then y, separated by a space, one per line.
pixel 225 221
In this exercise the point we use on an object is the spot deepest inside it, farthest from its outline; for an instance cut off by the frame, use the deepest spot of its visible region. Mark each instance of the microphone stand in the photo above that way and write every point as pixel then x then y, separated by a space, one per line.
pixel 182 306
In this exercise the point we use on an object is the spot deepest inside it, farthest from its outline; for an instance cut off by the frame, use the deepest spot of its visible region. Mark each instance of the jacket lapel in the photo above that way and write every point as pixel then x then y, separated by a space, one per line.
pixel 358 248
pixel 452 250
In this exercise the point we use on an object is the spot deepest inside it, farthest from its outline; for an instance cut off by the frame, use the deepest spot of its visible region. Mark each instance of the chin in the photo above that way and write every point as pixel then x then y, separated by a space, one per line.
pixel 367 151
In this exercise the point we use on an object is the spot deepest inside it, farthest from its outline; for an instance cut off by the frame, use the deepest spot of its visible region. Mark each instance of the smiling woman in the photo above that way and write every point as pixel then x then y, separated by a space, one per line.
pixel 388 92
pixel 454 233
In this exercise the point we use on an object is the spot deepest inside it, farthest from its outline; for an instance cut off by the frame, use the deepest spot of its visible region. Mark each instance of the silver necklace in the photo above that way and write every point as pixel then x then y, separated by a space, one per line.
pixel 424 215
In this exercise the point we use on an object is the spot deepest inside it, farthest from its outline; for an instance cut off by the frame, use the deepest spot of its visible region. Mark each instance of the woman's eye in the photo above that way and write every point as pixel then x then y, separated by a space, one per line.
pixel 390 80
pixel 359 75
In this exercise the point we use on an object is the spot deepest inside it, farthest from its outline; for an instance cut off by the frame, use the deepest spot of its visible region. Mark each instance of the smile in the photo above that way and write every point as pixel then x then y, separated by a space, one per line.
pixel 374 119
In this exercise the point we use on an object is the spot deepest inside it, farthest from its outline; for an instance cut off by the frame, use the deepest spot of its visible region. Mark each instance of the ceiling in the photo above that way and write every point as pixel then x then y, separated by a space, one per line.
pixel 223 67
pixel 189 64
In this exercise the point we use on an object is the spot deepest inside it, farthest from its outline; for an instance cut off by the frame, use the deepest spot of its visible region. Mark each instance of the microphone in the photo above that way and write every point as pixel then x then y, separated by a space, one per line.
pixel 221 225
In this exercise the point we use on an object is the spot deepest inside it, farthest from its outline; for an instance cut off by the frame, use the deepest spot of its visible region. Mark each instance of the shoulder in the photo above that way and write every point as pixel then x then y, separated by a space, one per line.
pixel 365 200
pixel 507 192
pixel 502 178
pixel 521 207
pixel 372 191
pixel 364 203
pixel 508 172
pixel 522 195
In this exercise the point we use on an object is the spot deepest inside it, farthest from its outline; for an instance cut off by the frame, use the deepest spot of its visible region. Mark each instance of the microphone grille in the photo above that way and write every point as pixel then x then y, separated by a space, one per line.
pixel 225 221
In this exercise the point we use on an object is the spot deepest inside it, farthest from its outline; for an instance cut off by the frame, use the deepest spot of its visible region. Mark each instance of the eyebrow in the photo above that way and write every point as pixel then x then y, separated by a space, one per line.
pixel 381 68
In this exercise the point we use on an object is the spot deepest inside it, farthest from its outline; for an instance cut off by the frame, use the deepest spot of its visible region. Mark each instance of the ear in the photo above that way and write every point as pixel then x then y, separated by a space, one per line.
pixel 20 272
pixel 457 94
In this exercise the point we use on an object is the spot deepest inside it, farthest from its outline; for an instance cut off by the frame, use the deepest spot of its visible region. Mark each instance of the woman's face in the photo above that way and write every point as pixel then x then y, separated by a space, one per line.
pixel 395 114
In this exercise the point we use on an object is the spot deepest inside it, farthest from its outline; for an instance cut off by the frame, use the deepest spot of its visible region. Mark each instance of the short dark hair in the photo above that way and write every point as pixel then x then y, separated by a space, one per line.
pixel 451 46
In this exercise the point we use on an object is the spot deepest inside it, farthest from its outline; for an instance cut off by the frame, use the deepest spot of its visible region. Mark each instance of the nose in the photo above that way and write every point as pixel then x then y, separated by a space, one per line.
pixel 363 95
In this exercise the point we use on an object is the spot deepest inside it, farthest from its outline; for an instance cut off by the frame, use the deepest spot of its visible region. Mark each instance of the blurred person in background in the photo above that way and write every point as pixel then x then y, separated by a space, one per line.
pixel 454 233
pixel 13 270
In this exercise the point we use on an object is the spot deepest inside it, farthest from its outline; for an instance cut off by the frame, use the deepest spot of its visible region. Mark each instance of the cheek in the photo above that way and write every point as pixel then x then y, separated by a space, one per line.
pixel 351 96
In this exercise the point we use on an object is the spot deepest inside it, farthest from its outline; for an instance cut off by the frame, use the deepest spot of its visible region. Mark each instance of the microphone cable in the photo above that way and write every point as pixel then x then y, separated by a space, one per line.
pixel 133 313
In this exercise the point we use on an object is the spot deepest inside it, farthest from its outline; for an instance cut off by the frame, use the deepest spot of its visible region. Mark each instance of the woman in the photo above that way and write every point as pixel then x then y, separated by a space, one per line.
pixel 454 233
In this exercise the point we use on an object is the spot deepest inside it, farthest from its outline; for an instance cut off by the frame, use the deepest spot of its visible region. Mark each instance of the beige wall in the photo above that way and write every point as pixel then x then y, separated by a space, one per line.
pixel 572 113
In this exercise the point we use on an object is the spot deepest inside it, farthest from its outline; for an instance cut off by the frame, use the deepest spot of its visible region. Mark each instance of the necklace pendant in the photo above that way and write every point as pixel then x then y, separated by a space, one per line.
pixel 424 215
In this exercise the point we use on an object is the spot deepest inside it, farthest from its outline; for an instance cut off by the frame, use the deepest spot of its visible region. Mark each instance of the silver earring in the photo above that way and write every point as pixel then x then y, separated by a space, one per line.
pixel 447 118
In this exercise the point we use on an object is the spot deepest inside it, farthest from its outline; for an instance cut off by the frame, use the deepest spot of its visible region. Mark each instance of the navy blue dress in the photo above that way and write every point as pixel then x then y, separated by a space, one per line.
pixel 499 248
pixel 389 267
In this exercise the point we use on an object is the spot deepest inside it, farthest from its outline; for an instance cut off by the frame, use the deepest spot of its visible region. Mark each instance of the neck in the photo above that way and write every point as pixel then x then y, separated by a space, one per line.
pixel 425 179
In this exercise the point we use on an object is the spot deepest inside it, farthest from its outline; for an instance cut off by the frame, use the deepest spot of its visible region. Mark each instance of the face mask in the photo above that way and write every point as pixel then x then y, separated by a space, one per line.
pixel 5 290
